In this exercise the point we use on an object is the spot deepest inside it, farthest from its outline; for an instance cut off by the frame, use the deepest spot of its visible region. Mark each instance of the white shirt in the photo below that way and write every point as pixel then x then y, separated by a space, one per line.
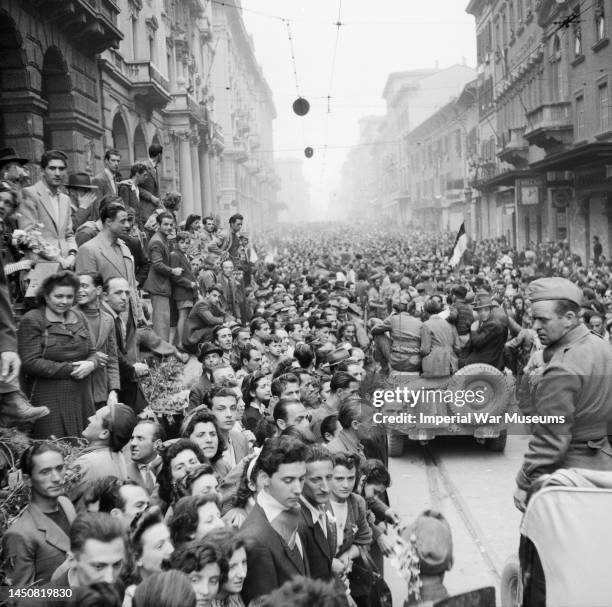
pixel 341 513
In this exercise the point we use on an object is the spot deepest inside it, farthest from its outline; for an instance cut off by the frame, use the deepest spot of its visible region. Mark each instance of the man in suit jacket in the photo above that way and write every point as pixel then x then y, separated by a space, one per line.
pixel 106 180
pixel 318 532
pixel 149 186
pixel 161 275
pixel 278 552
pixel 116 293
pixel 37 542
pixel 107 254
pixel 45 207
pixel 145 462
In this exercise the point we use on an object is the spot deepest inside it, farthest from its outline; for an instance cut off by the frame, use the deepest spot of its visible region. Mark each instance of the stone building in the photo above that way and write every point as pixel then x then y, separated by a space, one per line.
pixel 544 70
pixel 438 150
pixel 411 97
pixel 88 75
pixel 245 110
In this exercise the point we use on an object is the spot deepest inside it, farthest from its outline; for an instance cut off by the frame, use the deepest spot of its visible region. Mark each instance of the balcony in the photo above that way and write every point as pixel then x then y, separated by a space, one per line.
pixel 239 151
pixel 142 78
pixel 515 148
pixel 550 126
pixel 90 25
pixel 184 103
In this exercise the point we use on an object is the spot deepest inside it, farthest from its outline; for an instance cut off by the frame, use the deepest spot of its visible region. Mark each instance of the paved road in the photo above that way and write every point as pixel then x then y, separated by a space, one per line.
pixel 473 488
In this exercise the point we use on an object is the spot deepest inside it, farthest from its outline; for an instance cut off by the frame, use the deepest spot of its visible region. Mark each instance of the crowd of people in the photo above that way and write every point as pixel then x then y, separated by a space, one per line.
pixel 275 490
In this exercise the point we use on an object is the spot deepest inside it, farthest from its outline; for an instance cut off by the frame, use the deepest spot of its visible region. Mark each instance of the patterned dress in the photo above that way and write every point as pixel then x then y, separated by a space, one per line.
pixel 47 350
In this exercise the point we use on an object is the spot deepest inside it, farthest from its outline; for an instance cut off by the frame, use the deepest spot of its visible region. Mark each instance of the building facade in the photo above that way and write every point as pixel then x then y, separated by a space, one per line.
pixel 87 75
pixel 438 151
pixel 382 172
pixel 545 162
pixel 245 110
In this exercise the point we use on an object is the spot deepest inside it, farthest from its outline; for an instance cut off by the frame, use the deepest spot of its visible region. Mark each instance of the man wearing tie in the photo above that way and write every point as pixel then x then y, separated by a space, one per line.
pixel 278 552
pixel 106 180
pixel 149 186
pixel 108 254
pixel 316 528
pixel 145 463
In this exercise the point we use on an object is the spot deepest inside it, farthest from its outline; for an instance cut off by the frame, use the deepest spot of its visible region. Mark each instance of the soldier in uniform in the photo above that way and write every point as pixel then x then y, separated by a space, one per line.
pixel 576 384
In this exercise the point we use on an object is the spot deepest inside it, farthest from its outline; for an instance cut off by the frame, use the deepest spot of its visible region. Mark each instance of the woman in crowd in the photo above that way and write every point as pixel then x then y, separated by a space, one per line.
pixel 203 430
pixel 353 532
pixel 165 589
pixel 58 357
pixel 252 481
pixel 194 517
pixel 234 552
pixel 256 394
pixel 150 544
pixel 177 461
pixel 202 480
pixel 204 566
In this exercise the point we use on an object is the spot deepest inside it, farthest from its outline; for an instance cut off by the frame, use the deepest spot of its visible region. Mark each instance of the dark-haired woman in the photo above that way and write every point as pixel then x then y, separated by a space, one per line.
pixel 177 461
pixel 150 544
pixel 58 357
pixel 202 428
pixel 234 552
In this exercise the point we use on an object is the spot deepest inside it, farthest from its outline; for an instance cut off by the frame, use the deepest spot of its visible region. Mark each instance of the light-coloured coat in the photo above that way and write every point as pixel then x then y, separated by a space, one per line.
pixel 37 210
pixel 95 256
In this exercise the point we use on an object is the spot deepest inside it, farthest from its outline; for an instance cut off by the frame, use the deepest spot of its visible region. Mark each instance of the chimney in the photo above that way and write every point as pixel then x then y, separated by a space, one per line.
pixel 437 65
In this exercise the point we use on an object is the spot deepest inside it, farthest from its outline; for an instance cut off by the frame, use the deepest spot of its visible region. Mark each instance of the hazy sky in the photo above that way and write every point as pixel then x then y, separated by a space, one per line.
pixel 376 38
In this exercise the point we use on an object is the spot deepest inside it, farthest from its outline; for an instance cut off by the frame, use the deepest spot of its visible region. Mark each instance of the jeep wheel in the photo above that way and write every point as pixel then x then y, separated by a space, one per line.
pixel 480 378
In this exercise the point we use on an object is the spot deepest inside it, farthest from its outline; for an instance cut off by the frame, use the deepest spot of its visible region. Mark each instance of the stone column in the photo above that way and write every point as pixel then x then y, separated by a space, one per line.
pixel 195 175
pixel 185 171
pixel 207 201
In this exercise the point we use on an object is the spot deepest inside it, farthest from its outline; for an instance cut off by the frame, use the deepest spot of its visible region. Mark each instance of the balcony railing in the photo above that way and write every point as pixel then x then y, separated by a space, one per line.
pixel 550 125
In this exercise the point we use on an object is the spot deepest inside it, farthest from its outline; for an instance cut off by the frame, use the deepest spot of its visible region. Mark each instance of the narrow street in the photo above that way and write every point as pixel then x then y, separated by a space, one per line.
pixel 473 488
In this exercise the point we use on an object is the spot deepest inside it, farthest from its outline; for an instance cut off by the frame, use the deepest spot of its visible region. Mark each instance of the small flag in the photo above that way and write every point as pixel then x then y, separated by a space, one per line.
pixel 460 247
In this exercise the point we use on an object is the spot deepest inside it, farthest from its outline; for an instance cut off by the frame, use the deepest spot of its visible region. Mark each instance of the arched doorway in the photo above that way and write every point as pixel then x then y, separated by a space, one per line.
pixel 17 128
pixel 121 143
pixel 140 144
pixel 57 92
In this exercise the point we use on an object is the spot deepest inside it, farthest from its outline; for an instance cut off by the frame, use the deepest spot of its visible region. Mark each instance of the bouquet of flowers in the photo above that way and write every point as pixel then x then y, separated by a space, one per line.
pixel 164 389
pixel 31 240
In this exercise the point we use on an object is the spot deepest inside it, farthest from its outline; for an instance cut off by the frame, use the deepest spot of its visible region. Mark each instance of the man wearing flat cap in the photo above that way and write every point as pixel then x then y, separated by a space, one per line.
pixel 488 334
pixel 576 384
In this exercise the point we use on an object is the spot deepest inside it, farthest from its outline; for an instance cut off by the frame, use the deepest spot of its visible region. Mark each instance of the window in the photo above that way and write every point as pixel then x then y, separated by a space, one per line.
pixel 555 72
pixel 603 103
pixel 134 38
pixel 600 21
pixel 580 117
pixel 577 29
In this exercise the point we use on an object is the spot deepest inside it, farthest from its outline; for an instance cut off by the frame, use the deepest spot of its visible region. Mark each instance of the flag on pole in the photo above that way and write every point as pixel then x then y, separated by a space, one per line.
pixel 460 247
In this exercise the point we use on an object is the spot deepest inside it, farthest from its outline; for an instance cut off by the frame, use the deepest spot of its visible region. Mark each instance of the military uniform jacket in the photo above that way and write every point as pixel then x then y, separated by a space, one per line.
pixel 575 384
